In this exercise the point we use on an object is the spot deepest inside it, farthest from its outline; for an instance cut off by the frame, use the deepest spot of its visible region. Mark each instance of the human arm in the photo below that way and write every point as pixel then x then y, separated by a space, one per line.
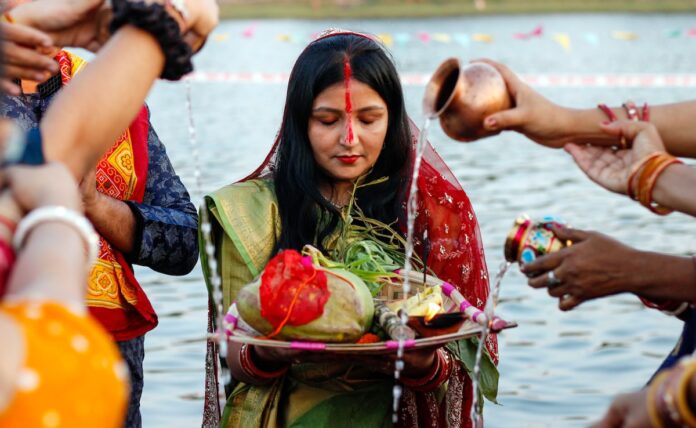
pixel 111 217
pixel 62 273
pixel 596 265
pixel 91 95
pixel 77 23
pixel 612 169
pixel 164 237
pixel 554 126
pixel 111 104
pixel 160 231
pixel 669 400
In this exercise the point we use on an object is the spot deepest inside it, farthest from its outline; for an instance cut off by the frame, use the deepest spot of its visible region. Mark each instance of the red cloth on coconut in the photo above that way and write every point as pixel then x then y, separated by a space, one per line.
pixel 292 292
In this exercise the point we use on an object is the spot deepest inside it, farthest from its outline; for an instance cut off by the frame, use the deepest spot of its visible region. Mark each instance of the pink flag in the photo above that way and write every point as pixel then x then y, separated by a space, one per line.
pixel 538 31
pixel 249 31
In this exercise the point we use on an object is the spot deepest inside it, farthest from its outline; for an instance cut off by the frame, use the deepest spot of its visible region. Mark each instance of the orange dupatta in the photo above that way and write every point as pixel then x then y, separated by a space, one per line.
pixel 114 296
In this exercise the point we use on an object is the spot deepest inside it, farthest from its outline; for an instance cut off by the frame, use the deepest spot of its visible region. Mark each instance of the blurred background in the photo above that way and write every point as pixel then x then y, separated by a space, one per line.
pixel 557 369
pixel 429 8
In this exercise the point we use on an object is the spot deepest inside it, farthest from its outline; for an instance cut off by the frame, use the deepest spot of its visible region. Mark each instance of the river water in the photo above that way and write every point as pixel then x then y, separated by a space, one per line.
pixel 557 369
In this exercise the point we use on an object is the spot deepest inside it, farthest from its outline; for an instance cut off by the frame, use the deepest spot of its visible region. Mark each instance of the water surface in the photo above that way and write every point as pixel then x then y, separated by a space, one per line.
pixel 557 369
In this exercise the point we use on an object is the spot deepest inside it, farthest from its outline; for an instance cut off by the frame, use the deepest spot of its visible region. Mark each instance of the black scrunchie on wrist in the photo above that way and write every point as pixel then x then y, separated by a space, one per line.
pixel 154 19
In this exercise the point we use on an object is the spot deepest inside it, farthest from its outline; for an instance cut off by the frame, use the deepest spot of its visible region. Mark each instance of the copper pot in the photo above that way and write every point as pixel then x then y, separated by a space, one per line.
pixel 462 97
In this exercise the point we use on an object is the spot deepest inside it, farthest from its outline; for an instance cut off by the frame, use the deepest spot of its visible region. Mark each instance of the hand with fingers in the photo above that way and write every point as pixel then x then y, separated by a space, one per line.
pixel 627 411
pixel 78 23
pixel 532 115
pixel 595 265
pixel 21 56
pixel 50 184
pixel 611 168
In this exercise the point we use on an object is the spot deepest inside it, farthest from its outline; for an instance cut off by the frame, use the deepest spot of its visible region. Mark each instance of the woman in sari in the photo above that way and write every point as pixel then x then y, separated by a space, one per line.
pixel 344 120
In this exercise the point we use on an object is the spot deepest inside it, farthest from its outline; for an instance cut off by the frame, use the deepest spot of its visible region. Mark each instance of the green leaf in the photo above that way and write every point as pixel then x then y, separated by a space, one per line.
pixel 465 351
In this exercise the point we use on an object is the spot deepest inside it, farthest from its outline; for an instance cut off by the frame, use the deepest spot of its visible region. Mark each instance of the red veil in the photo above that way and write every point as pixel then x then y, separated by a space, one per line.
pixel 456 256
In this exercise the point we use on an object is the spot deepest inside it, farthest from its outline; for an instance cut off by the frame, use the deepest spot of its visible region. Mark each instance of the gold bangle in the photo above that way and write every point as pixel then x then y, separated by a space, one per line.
pixel 651 399
pixel 685 411
pixel 6 17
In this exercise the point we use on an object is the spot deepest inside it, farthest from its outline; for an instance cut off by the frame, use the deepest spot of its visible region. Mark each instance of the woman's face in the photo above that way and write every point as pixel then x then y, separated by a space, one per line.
pixel 347 137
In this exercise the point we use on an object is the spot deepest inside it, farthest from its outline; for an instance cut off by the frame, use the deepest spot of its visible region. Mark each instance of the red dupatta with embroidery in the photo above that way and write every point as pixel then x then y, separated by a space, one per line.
pixel 113 295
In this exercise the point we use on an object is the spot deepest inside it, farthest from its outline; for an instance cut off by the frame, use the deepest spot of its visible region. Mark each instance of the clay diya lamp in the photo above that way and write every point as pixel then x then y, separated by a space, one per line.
pixel 436 324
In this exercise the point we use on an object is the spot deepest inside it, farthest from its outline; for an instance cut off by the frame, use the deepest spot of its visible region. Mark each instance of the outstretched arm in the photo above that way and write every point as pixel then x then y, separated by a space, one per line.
pixel 109 92
pixel 596 265
pixel 613 169
pixel 554 126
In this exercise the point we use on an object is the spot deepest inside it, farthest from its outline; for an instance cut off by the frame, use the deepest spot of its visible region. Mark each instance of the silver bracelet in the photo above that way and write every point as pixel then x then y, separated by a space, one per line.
pixel 64 215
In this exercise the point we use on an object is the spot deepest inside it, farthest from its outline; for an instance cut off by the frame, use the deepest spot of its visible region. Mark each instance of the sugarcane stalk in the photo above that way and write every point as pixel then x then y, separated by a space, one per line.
pixel 391 323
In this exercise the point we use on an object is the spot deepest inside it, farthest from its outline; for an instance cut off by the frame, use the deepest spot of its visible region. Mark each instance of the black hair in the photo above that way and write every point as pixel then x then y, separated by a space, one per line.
pixel 307 217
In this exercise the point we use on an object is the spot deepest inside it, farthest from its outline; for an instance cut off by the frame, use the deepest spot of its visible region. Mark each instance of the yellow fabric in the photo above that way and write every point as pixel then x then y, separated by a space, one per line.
pixel 115 177
pixel 246 228
pixel 72 374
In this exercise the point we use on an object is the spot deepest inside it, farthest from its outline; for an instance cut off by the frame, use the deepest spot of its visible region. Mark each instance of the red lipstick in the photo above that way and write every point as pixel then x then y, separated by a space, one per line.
pixel 348 159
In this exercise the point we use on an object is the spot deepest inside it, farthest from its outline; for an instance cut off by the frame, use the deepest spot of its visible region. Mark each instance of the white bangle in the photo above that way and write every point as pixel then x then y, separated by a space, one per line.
pixel 64 215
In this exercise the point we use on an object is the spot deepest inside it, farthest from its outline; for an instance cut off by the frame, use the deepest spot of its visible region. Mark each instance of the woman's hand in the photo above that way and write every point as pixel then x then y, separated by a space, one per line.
pixel 36 186
pixel 54 15
pixel 595 265
pixel 627 411
pixel 202 18
pixel 79 23
pixel 611 168
pixel 21 56
pixel 532 115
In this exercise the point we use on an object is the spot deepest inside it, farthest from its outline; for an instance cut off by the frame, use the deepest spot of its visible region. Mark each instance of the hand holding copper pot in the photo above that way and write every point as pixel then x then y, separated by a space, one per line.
pixel 462 97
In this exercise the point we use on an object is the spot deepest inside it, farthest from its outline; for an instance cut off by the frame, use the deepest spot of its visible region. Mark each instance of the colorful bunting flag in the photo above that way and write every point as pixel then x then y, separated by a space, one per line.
pixel 592 38
pixel 461 38
pixel 249 31
pixel 402 38
pixel 423 36
pixel 624 35
pixel 483 38
pixel 564 40
pixel 538 31
pixel 442 37
pixel 387 39
pixel 220 37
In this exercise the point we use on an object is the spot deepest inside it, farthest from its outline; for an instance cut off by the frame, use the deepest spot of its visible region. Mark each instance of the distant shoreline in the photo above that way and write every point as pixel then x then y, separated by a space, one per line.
pixel 392 9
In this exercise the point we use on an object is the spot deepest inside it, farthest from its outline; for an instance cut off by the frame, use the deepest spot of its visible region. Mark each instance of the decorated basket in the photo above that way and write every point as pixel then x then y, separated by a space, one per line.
pixel 299 305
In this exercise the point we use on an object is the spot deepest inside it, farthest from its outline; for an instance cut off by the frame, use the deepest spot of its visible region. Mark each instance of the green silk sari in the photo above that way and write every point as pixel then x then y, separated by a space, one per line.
pixel 245 228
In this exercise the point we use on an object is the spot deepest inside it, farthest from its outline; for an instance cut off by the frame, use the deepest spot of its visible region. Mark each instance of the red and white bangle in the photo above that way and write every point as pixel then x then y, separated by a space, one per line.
pixel 252 370
pixel 7 17
pixel 440 372
pixel 63 215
